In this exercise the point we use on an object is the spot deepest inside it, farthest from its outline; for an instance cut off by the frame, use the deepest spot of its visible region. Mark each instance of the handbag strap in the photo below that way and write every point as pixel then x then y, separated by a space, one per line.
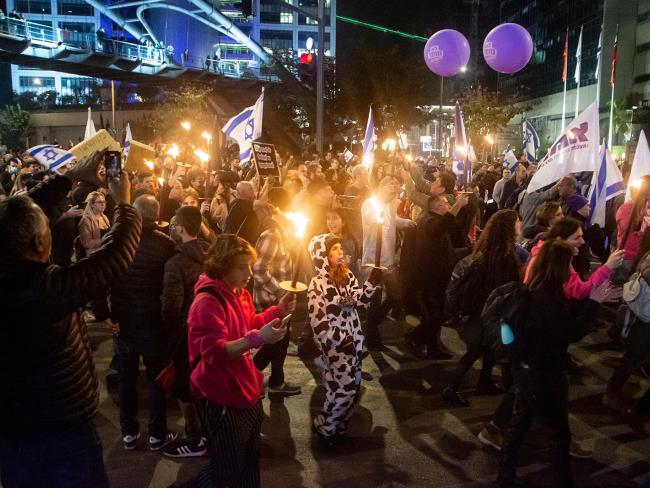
pixel 222 302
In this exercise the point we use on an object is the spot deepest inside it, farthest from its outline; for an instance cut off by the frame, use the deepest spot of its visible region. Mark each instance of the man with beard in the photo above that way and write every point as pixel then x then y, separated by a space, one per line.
pixel 334 299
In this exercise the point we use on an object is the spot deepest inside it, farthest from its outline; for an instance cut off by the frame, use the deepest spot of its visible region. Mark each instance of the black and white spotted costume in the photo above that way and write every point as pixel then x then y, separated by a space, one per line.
pixel 334 318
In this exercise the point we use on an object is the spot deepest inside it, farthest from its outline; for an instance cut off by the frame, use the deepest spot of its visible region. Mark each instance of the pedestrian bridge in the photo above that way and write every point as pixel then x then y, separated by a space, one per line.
pixel 40 46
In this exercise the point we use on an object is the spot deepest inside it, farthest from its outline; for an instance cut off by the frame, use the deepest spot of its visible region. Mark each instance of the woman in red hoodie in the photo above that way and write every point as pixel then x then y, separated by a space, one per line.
pixel 569 231
pixel 222 328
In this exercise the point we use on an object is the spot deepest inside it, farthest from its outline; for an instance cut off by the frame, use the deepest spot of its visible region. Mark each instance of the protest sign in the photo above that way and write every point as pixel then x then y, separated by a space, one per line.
pixel 264 157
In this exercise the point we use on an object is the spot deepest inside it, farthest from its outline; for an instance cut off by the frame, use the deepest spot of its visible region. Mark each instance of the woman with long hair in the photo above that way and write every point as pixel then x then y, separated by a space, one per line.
pixel 94 223
pixel 220 205
pixel 547 214
pixel 222 329
pixel 542 389
pixel 569 231
pixel 499 264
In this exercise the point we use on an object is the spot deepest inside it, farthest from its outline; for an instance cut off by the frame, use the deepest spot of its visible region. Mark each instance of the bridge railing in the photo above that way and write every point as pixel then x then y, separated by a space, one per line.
pixel 47 36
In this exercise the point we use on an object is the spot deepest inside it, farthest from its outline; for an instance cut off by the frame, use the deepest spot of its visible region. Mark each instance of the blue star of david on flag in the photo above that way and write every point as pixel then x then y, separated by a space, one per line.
pixel 52 157
pixel 246 127
pixel 250 129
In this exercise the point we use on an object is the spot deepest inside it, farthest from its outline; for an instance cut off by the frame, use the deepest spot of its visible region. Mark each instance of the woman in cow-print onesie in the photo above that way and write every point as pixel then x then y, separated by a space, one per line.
pixel 334 295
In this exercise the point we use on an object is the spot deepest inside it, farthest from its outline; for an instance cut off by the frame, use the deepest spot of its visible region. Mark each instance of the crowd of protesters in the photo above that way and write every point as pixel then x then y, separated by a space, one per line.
pixel 190 269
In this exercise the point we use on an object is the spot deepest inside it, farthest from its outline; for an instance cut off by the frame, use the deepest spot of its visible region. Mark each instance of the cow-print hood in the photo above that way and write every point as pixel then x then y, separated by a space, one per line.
pixel 318 252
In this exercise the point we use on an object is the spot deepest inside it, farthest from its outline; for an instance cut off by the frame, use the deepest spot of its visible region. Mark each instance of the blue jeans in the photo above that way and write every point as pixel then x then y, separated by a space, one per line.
pixel 70 459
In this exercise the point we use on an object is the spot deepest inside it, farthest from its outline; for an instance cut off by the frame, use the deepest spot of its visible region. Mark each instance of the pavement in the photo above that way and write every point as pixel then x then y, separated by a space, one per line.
pixel 403 434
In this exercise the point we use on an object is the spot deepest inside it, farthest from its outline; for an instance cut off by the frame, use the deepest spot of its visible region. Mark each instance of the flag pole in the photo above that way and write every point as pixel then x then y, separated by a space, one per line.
pixel 564 73
pixel 578 69
pixel 612 82
pixel 599 54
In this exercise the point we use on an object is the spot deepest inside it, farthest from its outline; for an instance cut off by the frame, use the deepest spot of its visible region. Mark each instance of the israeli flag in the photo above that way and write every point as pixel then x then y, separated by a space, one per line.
pixel 52 157
pixel 510 160
pixel 608 183
pixel 370 138
pixel 246 127
pixel 127 142
pixel 531 141
pixel 462 166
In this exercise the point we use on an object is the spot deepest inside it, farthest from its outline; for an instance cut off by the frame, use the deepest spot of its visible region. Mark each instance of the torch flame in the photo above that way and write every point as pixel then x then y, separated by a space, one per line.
pixel 161 181
pixel 149 165
pixel 300 222
pixel 637 183
pixel 461 150
pixel 202 155
pixel 173 151
pixel 378 211
pixel 389 145
pixel 367 160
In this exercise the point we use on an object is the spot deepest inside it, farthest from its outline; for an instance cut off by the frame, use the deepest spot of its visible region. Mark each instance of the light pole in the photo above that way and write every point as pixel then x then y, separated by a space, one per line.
pixel 320 75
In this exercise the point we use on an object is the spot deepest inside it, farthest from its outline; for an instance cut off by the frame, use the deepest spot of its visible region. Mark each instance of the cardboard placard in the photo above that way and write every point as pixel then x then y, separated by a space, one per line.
pixel 101 141
pixel 264 157
pixel 138 154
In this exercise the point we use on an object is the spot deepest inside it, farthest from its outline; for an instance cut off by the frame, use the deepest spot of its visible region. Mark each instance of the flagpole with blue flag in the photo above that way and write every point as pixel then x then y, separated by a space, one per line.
pixel 127 142
pixel 369 140
pixel 246 127
pixel 530 140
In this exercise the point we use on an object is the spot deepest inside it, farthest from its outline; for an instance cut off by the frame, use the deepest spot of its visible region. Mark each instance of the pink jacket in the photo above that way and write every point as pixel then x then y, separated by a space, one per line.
pixel 623 216
pixel 574 287
pixel 232 382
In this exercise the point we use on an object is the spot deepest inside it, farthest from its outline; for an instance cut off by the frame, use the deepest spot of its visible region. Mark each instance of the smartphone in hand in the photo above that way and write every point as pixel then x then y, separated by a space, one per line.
pixel 113 165
pixel 284 321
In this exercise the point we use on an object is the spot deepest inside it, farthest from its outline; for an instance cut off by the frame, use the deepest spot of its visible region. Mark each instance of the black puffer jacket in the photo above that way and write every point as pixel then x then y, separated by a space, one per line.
pixel 135 294
pixel 46 369
pixel 181 272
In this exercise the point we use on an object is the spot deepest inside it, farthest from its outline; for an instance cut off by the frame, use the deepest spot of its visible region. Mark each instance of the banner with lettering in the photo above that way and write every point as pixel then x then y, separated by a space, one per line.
pixel 264 157
pixel 574 151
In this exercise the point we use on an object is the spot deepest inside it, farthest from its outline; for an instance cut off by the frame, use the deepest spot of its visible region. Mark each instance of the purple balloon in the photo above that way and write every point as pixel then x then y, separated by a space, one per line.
pixel 446 52
pixel 507 48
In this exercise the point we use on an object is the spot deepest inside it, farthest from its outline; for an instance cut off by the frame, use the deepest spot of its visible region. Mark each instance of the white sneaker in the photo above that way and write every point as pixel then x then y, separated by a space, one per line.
pixel 130 441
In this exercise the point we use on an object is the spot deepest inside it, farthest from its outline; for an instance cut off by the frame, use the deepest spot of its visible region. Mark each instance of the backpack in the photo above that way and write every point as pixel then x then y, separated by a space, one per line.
pixel 636 294
pixel 504 319
pixel 464 288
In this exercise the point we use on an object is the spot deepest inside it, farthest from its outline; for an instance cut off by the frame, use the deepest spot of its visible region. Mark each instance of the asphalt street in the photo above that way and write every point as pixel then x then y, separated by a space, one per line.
pixel 403 434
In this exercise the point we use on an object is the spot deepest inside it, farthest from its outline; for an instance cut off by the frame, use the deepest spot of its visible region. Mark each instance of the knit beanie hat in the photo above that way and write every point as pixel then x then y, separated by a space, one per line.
pixel 330 242
pixel 576 202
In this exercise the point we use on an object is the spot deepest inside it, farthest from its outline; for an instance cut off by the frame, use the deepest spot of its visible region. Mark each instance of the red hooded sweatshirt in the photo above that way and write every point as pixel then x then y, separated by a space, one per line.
pixel 574 287
pixel 217 378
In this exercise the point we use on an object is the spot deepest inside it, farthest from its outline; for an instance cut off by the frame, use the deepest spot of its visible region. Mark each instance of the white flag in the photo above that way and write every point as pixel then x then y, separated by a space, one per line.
pixel 641 163
pixel 614 183
pixel 575 150
pixel 606 184
pixel 90 126
pixel 246 127
pixel 578 57
pixel 127 141
pixel 52 157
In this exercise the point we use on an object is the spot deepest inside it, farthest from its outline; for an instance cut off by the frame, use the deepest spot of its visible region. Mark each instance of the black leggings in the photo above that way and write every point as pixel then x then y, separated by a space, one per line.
pixel 473 353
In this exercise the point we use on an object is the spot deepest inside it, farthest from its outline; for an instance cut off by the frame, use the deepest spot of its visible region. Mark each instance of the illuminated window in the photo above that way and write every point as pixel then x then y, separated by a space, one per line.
pixel 286 18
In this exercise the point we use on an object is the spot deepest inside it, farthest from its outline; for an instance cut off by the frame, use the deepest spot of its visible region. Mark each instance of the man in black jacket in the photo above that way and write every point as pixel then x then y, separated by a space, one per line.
pixel 435 259
pixel 49 398
pixel 182 271
pixel 135 311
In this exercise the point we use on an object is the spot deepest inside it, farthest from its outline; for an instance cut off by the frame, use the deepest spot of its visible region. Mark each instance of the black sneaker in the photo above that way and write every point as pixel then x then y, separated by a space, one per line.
pixel 453 398
pixel 156 444
pixel 285 389
pixel 182 449
pixel 130 441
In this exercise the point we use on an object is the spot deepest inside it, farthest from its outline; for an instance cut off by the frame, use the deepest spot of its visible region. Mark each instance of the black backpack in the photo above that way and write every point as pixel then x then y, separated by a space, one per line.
pixel 465 288
pixel 506 305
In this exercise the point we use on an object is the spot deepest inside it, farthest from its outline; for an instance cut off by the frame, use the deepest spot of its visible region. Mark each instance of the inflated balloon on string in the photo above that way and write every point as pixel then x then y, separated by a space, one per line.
pixel 507 48
pixel 446 52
